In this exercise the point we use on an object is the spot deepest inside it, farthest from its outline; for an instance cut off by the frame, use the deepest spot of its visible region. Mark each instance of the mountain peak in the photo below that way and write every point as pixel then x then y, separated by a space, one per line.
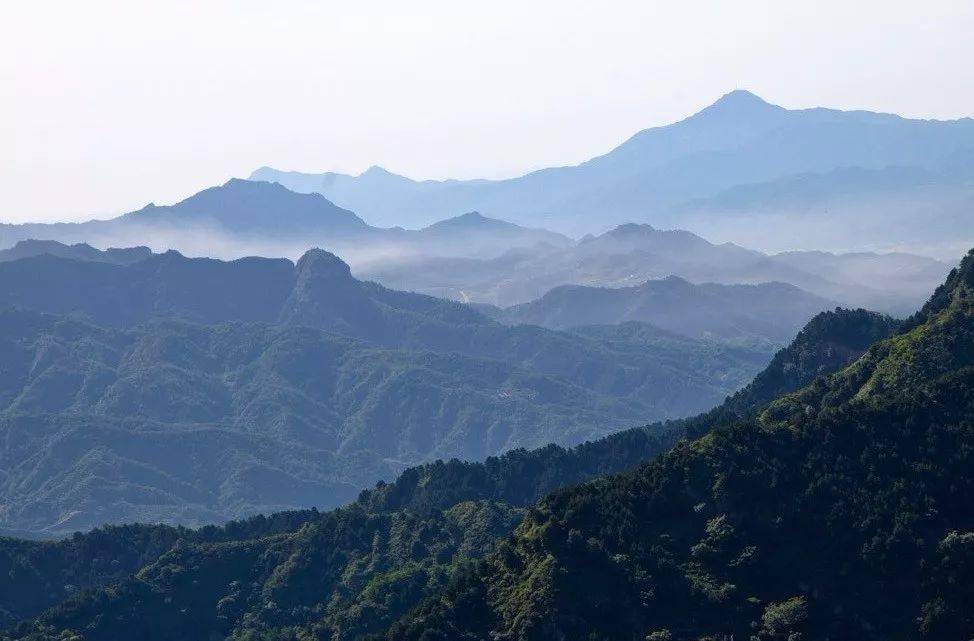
pixel 318 262
pixel 245 186
pixel 378 177
pixel 741 99
pixel 471 216
pixel 376 171
pixel 469 220
pixel 739 103
pixel 256 205
pixel 630 229
pixel 326 294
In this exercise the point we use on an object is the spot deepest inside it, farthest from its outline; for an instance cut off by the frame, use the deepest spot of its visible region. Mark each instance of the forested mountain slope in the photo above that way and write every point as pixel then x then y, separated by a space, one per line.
pixel 839 511
pixel 194 390
pixel 358 569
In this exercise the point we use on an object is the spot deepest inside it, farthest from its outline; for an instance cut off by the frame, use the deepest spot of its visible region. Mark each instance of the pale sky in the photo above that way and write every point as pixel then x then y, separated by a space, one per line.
pixel 105 106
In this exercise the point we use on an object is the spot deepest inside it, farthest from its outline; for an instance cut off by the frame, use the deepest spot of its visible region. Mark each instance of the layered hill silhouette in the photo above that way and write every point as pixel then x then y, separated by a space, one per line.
pixel 80 251
pixel 811 175
pixel 196 390
pixel 564 436
pixel 353 571
pixel 243 218
pixel 774 311
pixel 472 257
pixel 631 254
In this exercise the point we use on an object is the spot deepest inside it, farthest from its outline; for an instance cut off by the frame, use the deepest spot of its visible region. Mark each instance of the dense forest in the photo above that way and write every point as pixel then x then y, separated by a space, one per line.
pixel 838 511
pixel 356 570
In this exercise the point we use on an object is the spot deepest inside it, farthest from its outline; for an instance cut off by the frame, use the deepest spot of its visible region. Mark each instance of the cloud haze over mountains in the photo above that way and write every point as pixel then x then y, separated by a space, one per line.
pixel 571 302
pixel 474 258
pixel 632 254
pixel 742 170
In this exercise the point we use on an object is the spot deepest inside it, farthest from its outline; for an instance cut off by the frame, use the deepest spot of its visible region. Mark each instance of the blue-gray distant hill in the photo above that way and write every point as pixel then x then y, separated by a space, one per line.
pixel 80 251
pixel 754 172
pixel 470 257
pixel 769 311
pixel 243 218
pixel 632 254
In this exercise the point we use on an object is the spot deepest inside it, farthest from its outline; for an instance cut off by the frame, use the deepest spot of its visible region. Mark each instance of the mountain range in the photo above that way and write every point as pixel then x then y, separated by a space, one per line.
pixel 417 558
pixel 741 170
pixel 196 390
pixel 631 254
pixel 765 311
pixel 244 218
pixel 393 546
pixel 840 510
pixel 80 251
pixel 474 258
pixel 770 311
pixel 634 398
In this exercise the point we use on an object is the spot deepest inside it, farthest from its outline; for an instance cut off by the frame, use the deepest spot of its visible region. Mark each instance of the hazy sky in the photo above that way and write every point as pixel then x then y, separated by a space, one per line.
pixel 105 106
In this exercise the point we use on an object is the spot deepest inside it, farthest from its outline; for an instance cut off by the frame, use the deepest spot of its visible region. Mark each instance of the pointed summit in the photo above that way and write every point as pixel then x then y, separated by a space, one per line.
pixel 376 171
pixel 742 97
pixel 473 217
pixel 737 104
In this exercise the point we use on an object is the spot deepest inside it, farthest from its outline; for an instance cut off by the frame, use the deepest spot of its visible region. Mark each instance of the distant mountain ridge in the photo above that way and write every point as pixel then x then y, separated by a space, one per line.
pixel 681 175
pixel 632 254
pixel 374 560
pixel 81 251
pixel 475 258
pixel 774 311
pixel 196 390
pixel 246 207
pixel 242 218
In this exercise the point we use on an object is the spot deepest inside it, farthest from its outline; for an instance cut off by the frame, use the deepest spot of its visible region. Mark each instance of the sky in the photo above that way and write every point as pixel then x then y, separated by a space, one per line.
pixel 106 106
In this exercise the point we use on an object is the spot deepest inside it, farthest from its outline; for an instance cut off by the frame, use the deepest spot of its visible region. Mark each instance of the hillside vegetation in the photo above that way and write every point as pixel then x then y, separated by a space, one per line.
pixel 838 511
pixel 356 570
pixel 192 391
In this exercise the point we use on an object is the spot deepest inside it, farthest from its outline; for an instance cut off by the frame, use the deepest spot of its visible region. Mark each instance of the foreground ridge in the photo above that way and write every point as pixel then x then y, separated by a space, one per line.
pixel 838 511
